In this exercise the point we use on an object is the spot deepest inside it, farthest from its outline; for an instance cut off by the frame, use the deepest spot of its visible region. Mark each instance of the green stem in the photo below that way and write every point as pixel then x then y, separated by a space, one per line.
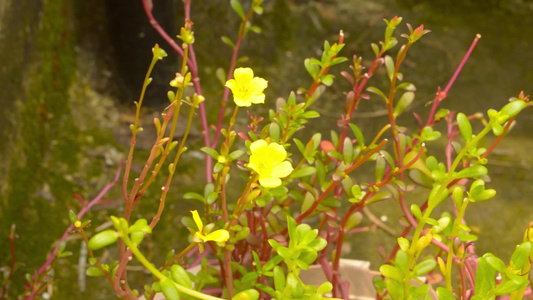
pixel 134 131
pixel 449 179
pixel 449 260
pixel 140 257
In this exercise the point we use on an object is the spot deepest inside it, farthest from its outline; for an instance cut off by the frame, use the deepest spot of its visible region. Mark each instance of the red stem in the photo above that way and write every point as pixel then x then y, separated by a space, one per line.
pixel 332 186
pixel 193 67
pixel 359 206
pixel 82 212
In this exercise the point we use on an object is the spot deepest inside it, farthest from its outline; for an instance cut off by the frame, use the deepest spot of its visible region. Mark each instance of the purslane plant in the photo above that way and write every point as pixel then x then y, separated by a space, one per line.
pixel 300 200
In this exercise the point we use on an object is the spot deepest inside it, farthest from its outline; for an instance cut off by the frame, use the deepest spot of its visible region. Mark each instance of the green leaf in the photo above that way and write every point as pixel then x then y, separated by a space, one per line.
pixel 420 178
pixel 236 154
pixel 512 108
pixel 194 196
pixel 485 277
pixel 464 126
pixel 434 200
pixel 403 243
pixel 237 7
pixel 324 288
pixel 511 284
pixel 521 255
pixel 391 43
pixel 415 210
pixel 141 225
pixel 391 272
pixel 102 239
pixel 400 261
pixel 273 262
pixel 310 114
pixel 379 197
pixel 389 65
pixel 210 151
pixel 477 187
pixel 444 294
pixel 304 171
pixel 72 216
pixel 375 49
pixel 429 135
pixel 358 135
pixel 211 197
pixel 312 68
pixel 405 101
pixel 295 285
pixel 226 40
pixel 378 92
pixel 221 75
pixel 353 220
pixel 327 80
pixel 258 9
pixel 181 276
pixel 337 60
pixel 472 172
pixel 94 272
pixel 255 29
pixel 497 129
pixel 169 289
pixel 485 195
pixel 424 267
pixel 347 150
pixel 442 113
pixel 279 278
pixel 496 263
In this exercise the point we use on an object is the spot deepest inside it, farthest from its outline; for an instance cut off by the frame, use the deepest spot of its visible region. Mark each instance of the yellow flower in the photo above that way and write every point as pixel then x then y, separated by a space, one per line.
pixel 218 236
pixel 268 161
pixel 246 88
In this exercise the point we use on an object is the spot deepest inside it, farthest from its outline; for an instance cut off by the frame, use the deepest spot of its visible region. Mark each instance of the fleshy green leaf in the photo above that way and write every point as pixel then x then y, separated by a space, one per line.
pixel 521 255
pixel 464 126
pixel 94 272
pixel 302 172
pixel 389 65
pixel 472 172
pixel 405 101
pixel 391 272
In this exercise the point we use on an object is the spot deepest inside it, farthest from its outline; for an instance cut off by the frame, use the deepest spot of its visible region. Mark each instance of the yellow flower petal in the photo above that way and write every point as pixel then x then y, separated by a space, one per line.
pixel 241 101
pixel 244 75
pixel 269 182
pixel 218 236
pixel 277 152
pixel 197 220
pixel 258 145
pixel 258 84
pixel 257 99
pixel 231 83
pixel 282 170
pixel 246 88
pixel 268 161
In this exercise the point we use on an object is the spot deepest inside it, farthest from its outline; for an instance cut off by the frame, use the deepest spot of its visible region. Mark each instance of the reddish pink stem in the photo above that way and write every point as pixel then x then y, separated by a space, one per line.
pixel 82 212
pixel 193 67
